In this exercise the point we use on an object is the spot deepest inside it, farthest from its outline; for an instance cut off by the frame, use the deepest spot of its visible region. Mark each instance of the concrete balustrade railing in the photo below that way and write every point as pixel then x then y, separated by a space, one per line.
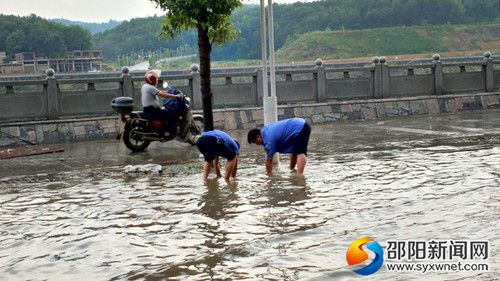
pixel 51 97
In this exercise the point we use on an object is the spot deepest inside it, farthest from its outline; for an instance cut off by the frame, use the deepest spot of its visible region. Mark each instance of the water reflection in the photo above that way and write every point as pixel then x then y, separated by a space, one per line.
pixel 104 225
pixel 216 202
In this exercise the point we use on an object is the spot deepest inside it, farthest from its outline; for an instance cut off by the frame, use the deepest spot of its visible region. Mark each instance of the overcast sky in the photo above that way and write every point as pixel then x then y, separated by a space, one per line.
pixel 91 10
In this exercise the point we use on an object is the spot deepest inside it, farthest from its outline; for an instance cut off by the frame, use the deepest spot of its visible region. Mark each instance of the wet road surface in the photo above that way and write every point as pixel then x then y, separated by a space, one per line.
pixel 78 215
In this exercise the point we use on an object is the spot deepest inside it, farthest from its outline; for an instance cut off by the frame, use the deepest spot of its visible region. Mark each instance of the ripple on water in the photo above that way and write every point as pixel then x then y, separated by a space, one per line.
pixel 106 225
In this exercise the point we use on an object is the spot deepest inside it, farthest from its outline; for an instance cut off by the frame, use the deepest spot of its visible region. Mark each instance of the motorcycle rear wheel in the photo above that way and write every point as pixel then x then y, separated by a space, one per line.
pixel 134 144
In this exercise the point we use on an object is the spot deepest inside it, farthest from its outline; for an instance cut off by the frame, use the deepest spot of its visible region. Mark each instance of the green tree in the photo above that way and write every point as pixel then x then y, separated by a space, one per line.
pixel 16 42
pixel 480 10
pixel 76 38
pixel 38 35
pixel 212 20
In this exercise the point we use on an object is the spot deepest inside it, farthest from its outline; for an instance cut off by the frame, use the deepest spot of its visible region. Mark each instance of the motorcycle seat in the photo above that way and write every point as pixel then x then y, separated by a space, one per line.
pixel 140 114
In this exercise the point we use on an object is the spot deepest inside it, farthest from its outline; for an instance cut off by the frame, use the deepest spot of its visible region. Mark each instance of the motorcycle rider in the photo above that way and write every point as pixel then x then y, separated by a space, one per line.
pixel 151 104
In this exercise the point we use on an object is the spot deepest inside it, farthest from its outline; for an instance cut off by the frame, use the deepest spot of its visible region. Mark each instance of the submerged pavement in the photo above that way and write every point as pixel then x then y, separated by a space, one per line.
pixel 463 129
pixel 78 213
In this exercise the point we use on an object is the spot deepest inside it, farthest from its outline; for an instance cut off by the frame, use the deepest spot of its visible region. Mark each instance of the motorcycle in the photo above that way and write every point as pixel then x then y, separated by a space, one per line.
pixel 139 130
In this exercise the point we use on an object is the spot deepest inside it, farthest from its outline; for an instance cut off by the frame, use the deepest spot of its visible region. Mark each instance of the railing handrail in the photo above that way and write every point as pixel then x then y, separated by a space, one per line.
pixel 88 80
pixel 240 74
pixel 22 82
pixel 455 64
pixel 418 66
pixel 349 69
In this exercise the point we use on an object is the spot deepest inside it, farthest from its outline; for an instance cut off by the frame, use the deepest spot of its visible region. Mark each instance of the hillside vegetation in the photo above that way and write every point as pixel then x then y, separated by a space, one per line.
pixel 321 20
pixel 392 41
pixel 292 20
pixel 45 38
pixel 138 36
pixel 90 26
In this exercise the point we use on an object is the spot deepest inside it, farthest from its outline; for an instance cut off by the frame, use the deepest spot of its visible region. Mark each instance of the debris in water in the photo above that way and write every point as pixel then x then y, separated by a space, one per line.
pixel 146 168
pixel 29 150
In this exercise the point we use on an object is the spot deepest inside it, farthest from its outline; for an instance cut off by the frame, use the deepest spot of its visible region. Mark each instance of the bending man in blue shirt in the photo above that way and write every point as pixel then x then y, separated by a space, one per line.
pixel 216 143
pixel 286 136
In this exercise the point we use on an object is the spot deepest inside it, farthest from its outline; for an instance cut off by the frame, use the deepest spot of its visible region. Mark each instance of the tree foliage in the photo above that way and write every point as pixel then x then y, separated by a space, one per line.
pixel 212 20
pixel 44 38
pixel 212 16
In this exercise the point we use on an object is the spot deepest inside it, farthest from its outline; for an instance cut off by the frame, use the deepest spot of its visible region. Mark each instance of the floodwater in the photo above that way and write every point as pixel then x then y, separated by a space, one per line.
pixel 419 179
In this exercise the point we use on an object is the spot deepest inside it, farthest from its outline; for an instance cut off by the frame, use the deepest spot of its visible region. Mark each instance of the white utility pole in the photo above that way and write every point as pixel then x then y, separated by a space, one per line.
pixel 269 97
pixel 263 44
pixel 270 100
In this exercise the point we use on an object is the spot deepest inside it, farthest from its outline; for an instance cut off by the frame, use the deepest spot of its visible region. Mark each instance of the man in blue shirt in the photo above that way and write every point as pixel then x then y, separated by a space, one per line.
pixel 285 136
pixel 213 144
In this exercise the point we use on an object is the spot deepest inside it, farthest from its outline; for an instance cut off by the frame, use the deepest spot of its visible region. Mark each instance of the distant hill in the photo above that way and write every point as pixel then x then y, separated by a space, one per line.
pixel 138 35
pixel 90 26
pixel 292 20
pixel 392 41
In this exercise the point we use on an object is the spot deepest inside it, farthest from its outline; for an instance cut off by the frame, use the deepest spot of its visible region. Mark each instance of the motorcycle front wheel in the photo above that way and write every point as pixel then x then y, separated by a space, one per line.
pixel 133 141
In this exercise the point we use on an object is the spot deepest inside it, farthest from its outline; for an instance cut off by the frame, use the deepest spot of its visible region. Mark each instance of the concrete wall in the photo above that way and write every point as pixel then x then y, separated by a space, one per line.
pixel 56 131
pixel 90 95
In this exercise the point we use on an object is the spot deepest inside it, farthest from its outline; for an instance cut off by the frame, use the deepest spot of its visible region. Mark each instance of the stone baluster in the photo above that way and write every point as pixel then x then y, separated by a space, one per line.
pixel 196 86
pixel 377 78
pixel 52 91
pixel 126 85
pixel 320 81
pixel 488 72
pixel 437 72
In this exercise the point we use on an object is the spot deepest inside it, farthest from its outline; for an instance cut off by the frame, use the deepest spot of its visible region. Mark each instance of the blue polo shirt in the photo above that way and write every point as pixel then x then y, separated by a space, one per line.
pixel 279 136
pixel 223 138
